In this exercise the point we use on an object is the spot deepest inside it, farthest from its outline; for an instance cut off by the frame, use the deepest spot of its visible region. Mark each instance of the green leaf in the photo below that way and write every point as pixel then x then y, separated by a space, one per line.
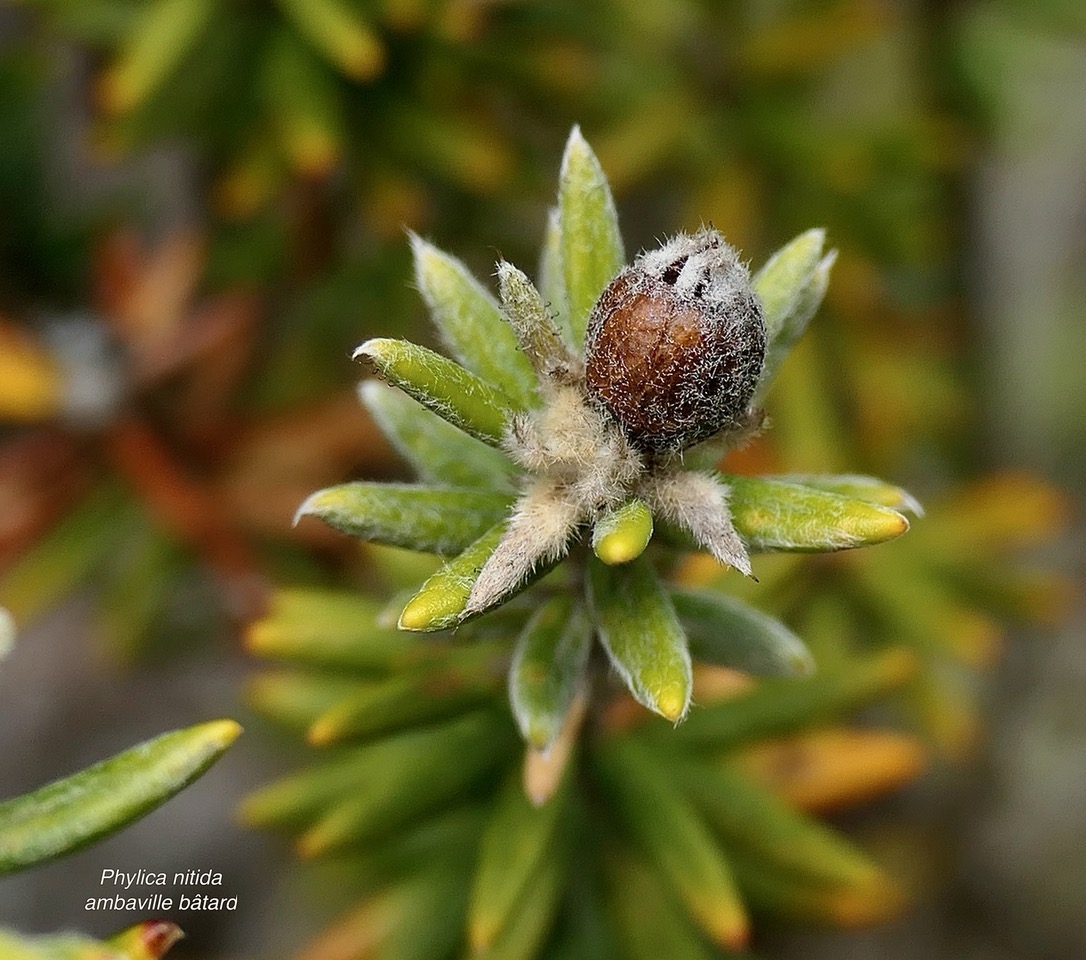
pixel 443 598
pixel 517 844
pixel 531 922
pixel 71 813
pixel 552 281
pixel 779 706
pixel 471 323
pixel 858 487
pixel 728 632
pixel 647 918
pixel 752 818
pixel 591 244
pixel 333 629
pixel 339 33
pixel 539 339
pixel 304 102
pixel 166 31
pixel 439 452
pixel 775 515
pixel 622 534
pixel 144 941
pixel 442 520
pixel 642 635
pixel 548 669
pixel 410 774
pixel 442 386
pixel 461 680
pixel 668 830
pixel 294 699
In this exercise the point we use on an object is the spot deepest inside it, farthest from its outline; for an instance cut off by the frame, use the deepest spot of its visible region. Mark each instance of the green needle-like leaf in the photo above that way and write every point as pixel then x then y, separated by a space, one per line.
pixel 752 818
pixel 858 487
pixel 71 813
pixel 439 452
pixel 591 245
pixel 552 281
pixel 648 919
pixel 443 386
pixel 642 635
pixel 518 842
pixel 295 699
pixel 410 774
pixel 432 693
pixel 164 34
pixel 778 706
pixel 522 936
pixel 548 669
pixel 339 33
pixel 774 515
pixel 429 519
pixel 622 534
pixel 332 629
pixel 728 632
pixel 471 323
pixel 666 827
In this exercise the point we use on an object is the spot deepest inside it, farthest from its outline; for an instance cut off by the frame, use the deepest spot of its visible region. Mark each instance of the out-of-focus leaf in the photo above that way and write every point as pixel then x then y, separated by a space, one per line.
pixel 728 632
pixel 671 834
pixel 335 28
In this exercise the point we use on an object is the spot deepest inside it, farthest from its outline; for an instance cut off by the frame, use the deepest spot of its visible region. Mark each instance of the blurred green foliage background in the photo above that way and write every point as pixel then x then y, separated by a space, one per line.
pixel 202 208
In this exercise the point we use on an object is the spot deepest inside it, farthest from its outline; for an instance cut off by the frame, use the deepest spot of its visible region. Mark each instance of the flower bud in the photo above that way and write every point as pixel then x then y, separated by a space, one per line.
pixel 676 343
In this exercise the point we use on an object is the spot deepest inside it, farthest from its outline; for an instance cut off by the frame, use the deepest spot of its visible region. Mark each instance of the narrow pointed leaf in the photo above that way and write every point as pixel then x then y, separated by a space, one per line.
pixel 774 515
pixel 164 34
pixel 591 245
pixel 622 534
pixel 443 520
pixel 749 817
pixel 781 282
pixel 826 770
pixel 439 452
pixel 552 281
pixel 858 487
pixel 305 102
pixel 648 920
pixel 728 632
pixel 295 699
pixel 539 339
pixel 517 844
pixel 775 890
pixel 432 693
pixel 548 669
pixel 441 385
pixel 778 706
pixel 410 774
pixel 527 929
pixel 666 827
pixel 642 635
pixel 471 323
pixel 71 813
pixel 442 600
pixel 336 30
pixel 332 628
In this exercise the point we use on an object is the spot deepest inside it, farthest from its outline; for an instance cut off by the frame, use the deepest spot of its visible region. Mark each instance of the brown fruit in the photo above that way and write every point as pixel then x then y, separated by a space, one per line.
pixel 675 344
